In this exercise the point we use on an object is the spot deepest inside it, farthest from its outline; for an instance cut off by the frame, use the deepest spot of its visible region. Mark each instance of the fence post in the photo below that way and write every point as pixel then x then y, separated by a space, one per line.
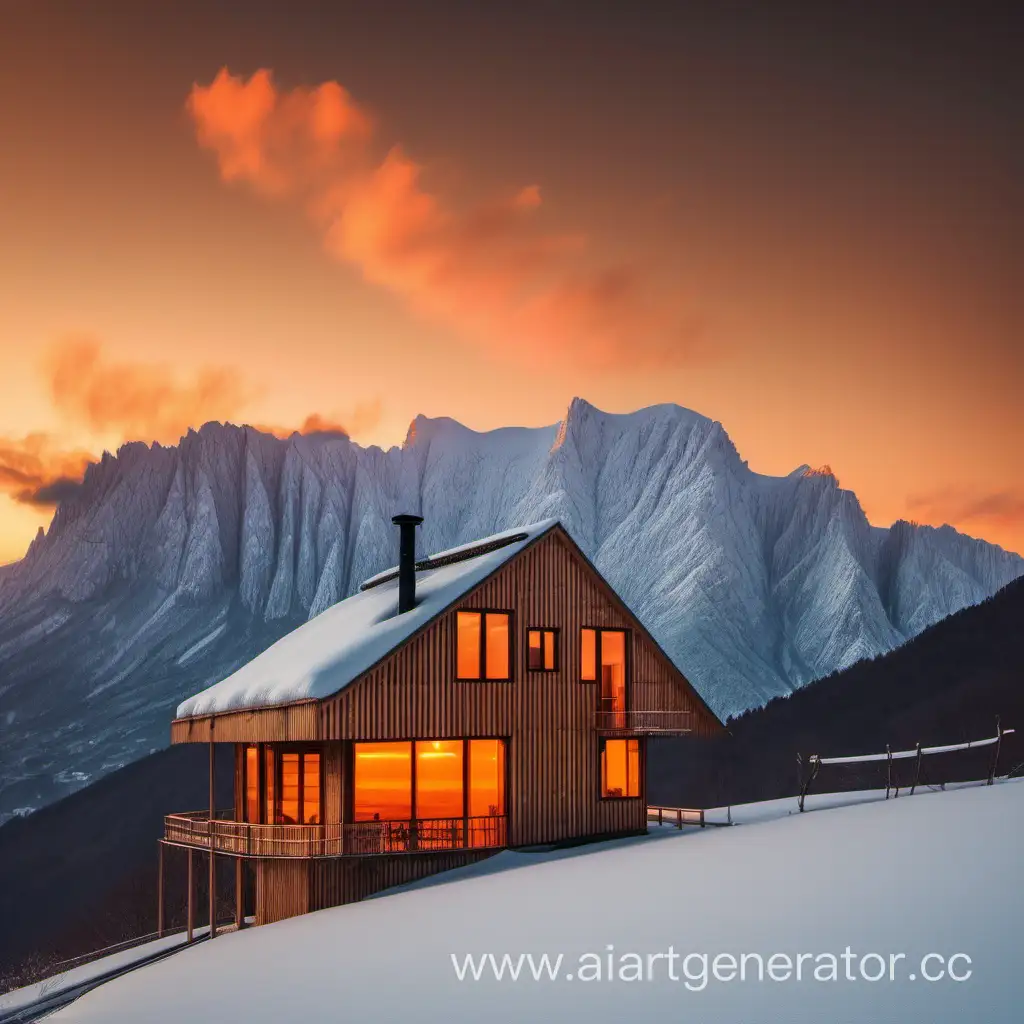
pixel 995 757
pixel 800 781
pixel 679 817
pixel 888 770
pixel 917 769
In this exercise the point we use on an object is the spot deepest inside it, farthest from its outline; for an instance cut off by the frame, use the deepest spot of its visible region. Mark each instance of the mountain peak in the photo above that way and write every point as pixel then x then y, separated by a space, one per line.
pixel 824 471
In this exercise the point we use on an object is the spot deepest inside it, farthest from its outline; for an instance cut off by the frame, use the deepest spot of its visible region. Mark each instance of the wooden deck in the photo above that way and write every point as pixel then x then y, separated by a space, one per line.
pixel 338 839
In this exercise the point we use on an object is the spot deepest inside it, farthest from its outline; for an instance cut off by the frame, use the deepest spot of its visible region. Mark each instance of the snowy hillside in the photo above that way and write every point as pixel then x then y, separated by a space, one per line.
pixel 896 883
pixel 173 566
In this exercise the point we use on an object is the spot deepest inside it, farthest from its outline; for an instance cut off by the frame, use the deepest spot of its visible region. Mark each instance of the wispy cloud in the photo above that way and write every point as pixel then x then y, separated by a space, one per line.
pixel 958 505
pixel 36 470
pixel 363 416
pixel 137 400
pixel 133 401
pixel 491 271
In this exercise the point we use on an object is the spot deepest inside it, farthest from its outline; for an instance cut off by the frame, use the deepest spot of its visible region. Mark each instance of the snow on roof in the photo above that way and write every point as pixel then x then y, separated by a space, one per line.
pixel 327 653
pixel 458 553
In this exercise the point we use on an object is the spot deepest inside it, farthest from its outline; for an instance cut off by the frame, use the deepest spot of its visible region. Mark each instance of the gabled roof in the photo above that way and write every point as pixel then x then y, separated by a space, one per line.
pixel 332 650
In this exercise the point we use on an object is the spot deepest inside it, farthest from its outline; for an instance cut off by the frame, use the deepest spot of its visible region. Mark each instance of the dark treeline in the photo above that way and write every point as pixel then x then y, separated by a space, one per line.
pixel 945 686
pixel 81 874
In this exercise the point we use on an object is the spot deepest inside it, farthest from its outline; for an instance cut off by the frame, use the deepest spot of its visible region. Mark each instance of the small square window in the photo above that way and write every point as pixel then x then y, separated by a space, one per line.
pixel 542 650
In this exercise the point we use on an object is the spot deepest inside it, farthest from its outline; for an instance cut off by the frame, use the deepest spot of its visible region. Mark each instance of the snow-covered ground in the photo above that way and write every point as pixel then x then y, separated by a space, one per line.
pixel 22 998
pixel 937 873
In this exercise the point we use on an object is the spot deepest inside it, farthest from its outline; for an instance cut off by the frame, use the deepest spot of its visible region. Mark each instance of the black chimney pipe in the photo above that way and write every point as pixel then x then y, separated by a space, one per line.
pixel 406 560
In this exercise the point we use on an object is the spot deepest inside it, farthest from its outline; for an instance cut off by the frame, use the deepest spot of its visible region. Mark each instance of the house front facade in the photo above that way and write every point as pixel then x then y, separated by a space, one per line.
pixel 496 695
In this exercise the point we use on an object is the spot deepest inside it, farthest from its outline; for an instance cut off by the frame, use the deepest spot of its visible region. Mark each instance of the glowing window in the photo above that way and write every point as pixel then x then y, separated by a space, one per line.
pixel 540 650
pixel 383 781
pixel 486 777
pixel 613 670
pixel 252 784
pixel 483 641
pixel 289 812
pixel 588 654
pixel 486 792
pixel 497 646
pixel 620 768
pixel 439 779
pixel 270 778
pixel 311 789
pixel 468 628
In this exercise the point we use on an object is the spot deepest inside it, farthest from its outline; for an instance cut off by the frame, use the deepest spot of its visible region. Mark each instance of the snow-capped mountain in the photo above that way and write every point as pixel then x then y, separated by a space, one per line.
pixel 172 566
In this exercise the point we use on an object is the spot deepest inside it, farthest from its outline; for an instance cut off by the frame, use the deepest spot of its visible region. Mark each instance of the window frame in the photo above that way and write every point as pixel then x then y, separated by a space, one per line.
pixel 483 677
pixel 556 632
pixel 641 769
pixel 506 741
pixel 277 749
pixel 597 653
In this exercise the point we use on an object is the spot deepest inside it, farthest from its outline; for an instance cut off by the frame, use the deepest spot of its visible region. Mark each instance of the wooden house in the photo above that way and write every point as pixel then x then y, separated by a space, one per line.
pixel 496 695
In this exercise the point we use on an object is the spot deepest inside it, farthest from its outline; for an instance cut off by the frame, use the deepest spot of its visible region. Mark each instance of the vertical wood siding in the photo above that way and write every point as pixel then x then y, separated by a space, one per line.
pixel 291 722
pixel 288 888
pixel 346 880
pixel 282 889
pixel 239 811
pixel 334 781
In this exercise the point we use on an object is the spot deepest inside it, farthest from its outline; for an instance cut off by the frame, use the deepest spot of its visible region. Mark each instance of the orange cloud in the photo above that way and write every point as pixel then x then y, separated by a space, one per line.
pixel 491 271
pixel 364 416
pixel 958 506
pixel 34 470
pixel 136 400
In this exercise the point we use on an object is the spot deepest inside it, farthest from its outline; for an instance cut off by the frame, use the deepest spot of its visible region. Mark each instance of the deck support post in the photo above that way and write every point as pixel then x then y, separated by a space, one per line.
pixel 917 770
pixel 190 915
pixel 213 859
pixel 239 893
pixel 160 890
pixel 213 895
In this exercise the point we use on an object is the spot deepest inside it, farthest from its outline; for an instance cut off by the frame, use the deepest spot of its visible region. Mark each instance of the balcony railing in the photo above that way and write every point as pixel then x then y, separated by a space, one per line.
pixel 347 839
pixel 643 723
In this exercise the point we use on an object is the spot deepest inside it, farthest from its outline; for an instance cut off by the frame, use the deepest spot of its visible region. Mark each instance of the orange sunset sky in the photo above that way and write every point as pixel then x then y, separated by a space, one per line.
pixel 801 220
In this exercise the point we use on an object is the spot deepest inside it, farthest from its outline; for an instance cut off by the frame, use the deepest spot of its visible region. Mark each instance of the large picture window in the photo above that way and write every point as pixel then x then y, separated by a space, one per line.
pixel 450 779
pixel 439 778
pixel 383 781
pixel 620 768
pixel 483 645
